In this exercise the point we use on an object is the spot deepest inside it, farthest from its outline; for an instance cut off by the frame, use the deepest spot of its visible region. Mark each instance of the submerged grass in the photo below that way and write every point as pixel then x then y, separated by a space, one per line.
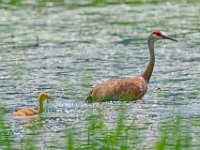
pixel 5 137
pixel 172 134
pixel 30 140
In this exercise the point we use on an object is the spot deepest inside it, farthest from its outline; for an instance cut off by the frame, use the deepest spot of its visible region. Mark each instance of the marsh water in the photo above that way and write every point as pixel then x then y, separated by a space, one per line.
pixel 66 50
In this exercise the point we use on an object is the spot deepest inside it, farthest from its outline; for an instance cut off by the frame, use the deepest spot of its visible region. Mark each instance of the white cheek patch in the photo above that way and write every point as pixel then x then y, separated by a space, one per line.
pixel 163 33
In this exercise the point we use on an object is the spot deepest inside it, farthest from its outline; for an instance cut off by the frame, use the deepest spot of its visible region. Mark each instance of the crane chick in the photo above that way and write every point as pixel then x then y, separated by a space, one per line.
pixel 31 111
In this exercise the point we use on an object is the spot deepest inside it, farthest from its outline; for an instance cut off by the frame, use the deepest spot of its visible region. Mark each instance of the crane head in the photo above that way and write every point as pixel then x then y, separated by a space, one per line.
pixel 42 96
pixel 157 34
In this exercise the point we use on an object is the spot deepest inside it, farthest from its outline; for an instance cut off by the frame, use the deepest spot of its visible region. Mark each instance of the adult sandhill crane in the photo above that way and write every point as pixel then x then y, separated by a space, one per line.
pixel 129 88
pixel 31 111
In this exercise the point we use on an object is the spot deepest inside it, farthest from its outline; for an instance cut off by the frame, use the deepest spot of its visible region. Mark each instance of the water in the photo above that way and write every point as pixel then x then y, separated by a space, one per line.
pixel 65 51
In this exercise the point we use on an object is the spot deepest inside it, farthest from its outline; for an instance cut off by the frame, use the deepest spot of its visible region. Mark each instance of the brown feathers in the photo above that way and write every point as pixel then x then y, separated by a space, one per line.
pixel 25 112
pixel 124 89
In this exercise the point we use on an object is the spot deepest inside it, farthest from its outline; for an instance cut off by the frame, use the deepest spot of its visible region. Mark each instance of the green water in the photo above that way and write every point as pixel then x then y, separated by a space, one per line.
pixel 66 47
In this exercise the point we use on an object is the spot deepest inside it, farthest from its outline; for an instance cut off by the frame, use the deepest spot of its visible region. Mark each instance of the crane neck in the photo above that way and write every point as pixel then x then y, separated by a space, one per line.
pixel 40 106
pixel 148 71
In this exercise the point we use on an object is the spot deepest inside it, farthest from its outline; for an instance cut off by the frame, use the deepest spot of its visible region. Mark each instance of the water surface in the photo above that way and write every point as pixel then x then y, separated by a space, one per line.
pixel 66 51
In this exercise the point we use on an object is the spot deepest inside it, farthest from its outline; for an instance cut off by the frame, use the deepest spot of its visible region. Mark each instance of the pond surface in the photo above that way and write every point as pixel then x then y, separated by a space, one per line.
pixel 66 51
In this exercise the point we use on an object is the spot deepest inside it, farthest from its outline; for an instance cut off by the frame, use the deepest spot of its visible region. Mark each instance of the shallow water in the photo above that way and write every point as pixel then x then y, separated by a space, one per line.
pixel 66 51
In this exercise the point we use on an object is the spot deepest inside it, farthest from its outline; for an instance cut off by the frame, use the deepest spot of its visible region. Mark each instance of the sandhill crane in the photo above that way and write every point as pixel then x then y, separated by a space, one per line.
pixel 128 88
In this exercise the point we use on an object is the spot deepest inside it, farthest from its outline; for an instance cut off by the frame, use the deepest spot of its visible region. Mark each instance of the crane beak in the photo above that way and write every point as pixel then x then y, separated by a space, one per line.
pixel 165 37
pixel 49 97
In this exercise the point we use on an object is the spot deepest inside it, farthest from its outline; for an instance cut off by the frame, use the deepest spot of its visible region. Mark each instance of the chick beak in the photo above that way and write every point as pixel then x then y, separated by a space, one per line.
pixel 48 98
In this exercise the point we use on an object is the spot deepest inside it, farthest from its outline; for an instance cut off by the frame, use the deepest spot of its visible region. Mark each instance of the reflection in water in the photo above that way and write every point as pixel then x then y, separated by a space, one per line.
pixel 26 119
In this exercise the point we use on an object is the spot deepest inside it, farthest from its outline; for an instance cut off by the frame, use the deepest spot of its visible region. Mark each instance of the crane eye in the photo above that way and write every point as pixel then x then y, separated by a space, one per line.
pixel 157 33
